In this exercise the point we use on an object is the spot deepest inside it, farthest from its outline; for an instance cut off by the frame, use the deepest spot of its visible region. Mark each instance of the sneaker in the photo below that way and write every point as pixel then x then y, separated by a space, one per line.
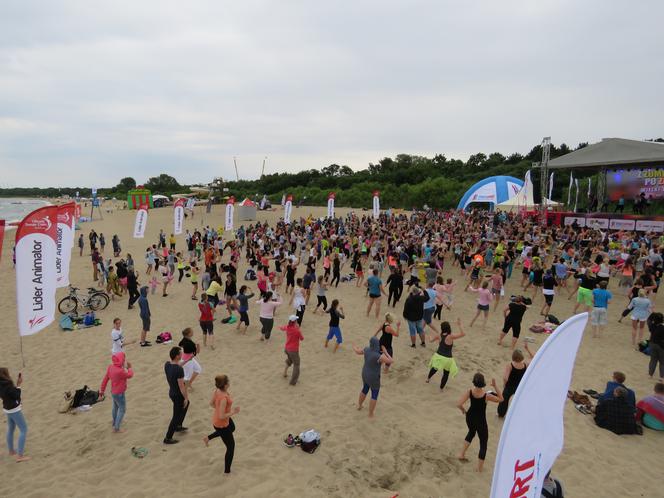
pixel 145 344
pixel 412 345
pixel 289 441
pixel 181 429
pixel 423 345
pixel 170 441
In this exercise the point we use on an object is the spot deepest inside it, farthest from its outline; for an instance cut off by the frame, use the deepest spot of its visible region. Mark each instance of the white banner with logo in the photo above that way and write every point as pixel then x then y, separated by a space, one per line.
pixel 64 242
pixel 191 202
pixel 230 210
pixel 178 216
pixel 330 204
pixel 649 226
pixel 288 208
pixel 141 221
pixel 376 204
pixel 35 270
pixel 532 435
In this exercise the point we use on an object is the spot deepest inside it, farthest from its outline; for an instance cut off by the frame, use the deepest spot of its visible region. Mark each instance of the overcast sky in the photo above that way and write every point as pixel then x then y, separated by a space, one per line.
pixel 94 91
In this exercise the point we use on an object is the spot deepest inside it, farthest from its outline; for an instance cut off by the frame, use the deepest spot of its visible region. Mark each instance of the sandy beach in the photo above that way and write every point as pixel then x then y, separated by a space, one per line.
pixel 410 447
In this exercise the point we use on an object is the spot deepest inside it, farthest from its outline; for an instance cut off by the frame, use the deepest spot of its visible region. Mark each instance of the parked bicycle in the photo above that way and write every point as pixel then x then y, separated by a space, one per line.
pixel 95 300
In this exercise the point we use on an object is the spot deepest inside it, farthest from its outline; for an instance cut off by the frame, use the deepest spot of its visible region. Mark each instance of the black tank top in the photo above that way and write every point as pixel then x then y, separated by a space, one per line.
pixel 477 410
pixel 445 349
pixel 516 374
pixel 385 338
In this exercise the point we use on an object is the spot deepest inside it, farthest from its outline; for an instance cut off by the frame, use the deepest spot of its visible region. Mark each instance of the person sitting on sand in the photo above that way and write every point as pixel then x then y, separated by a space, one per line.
pixel 118 375
pixel 442 359
pixel 650 410
pixel 618 381
pixel 374 357
pixel 616 414
pixel 551 487
pixel 221 419
pixel 10 394
pixel 476 416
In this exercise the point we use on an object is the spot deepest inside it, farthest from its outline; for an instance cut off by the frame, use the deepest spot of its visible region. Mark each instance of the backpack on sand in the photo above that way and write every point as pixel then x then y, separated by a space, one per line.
pixel 310 441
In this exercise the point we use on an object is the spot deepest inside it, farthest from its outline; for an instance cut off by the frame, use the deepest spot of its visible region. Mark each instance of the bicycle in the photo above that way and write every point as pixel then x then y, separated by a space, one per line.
pixel 96 300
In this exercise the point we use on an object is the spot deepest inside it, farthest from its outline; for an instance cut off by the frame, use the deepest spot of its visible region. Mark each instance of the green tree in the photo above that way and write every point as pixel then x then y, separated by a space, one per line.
pixel 126 184
pixel 162 183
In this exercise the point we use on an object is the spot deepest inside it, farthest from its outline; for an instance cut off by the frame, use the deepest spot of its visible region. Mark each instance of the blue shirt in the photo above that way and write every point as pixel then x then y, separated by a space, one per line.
pixel 432 299
pixel 601 298
pixel 561 270
pixel 374 284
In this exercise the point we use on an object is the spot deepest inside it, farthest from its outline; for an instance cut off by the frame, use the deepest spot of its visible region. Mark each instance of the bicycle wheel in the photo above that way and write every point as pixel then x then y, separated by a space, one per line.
pixel 68 305
pixel 98 301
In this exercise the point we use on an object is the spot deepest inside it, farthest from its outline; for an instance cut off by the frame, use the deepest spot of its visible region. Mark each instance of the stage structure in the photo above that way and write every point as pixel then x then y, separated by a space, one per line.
pixel 627 168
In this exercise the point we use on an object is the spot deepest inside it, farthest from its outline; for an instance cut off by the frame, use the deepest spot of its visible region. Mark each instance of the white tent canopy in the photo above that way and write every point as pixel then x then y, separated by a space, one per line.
pixel 523 199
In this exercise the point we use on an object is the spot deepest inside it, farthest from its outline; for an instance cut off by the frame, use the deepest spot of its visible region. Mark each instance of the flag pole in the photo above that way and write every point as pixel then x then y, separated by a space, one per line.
pixel 20 340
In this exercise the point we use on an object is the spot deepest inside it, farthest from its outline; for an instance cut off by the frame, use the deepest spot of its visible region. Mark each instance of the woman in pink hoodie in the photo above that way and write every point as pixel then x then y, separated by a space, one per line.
pixel 118 375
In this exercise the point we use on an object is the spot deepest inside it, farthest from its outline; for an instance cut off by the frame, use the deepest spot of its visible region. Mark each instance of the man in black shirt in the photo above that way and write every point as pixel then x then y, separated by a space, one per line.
pixel 178 394
pixel 513 315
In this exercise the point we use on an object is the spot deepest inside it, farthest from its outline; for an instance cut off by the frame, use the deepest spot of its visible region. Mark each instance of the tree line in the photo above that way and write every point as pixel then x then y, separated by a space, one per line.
pixel 404 181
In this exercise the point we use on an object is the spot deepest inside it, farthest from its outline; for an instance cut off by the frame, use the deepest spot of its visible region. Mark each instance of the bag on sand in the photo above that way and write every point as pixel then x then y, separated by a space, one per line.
pixel 84 396
pixel 310 441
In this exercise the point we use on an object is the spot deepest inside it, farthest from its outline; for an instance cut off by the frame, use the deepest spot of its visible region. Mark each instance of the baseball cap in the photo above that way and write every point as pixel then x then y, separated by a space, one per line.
pixel 293 318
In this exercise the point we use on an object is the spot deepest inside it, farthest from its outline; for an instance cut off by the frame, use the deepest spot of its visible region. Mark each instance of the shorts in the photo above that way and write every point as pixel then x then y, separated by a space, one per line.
pixel 374 296
pixel 495 292
pixel 244 317
pixel 374 391
pixel 335 332
pixel 516 328
pixel 123 281
pixel 584 296
pixel 638 318
pixel 548 299
pixel 428 314
pixel 415 328
pixel 191 367
pixel 207 327
pixel 146 324
pixel 598 316
pixel 483 307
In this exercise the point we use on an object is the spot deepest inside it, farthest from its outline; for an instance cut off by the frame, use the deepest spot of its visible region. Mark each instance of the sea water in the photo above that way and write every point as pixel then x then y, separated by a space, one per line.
pixel 12 209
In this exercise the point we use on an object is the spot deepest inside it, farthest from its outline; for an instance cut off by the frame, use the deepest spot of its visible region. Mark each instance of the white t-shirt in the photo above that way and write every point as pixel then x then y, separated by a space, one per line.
pixel 117 341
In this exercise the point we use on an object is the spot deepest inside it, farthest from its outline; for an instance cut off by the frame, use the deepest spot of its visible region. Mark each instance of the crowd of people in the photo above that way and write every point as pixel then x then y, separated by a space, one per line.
pixel 428 257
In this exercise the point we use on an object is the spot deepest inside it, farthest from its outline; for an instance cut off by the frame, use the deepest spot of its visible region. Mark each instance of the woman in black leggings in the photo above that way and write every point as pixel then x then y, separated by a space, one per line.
pixel 221 419
pixel 476 416
pixel 336 270
pixel 395 286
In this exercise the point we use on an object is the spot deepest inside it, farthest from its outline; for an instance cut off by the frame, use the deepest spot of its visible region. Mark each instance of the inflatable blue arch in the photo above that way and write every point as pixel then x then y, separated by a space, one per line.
pixel 492 190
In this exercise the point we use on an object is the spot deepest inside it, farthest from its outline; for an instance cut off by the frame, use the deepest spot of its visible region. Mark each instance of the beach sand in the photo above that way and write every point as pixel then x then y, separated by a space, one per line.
pixel 410 448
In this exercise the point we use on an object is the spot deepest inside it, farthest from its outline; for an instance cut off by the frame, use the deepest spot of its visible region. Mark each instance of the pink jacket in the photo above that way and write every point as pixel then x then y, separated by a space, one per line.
pixel 117 374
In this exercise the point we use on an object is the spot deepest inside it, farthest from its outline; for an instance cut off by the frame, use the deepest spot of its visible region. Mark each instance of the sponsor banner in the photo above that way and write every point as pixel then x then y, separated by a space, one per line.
pixel 330 204
pixel 64 242
pixel 376 204
pixel 178 216
pixel 230 210
pixel 283 200
pixel 621 224
pixel 532 435
pixel 596 223
pixel 649 226
pixel 569 220
pixel 141 221
pixel 288 208
pixel 2 235
pixel 36 270
pixel 191 202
